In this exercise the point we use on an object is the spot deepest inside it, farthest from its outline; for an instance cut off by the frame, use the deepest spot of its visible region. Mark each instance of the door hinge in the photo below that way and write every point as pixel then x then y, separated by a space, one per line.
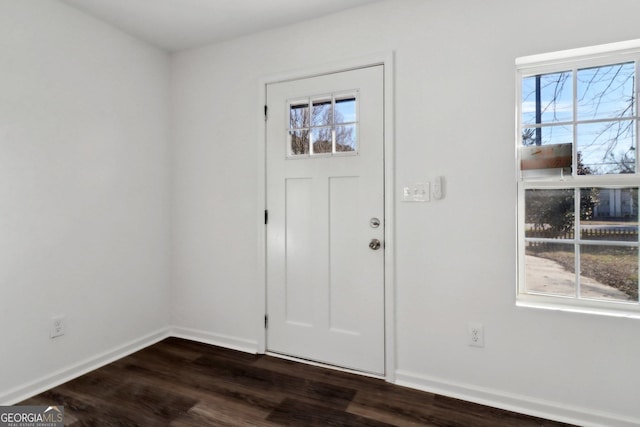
pixel 266 321
pixel 266 217
pixel 265 112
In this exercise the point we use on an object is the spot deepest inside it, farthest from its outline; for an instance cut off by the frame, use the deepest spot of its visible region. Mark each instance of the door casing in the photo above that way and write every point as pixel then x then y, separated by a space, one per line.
pixel 387 60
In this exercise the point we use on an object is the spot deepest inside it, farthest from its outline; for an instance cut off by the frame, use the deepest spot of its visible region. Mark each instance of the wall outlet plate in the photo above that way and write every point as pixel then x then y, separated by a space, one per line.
pixel 476 334
pixel 58 326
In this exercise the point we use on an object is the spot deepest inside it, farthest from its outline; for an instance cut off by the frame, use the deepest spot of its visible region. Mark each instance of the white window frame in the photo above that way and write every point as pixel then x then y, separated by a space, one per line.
pixel 568 60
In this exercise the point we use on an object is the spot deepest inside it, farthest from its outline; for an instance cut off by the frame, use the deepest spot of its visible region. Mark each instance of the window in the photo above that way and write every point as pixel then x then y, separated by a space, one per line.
pixel 323 125
pixel 578 179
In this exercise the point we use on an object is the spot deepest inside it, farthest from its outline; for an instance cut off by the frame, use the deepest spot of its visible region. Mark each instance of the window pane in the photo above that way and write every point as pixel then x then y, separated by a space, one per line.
pixel 555 98
pixel 299 142
pixel 549 268
pixel 549 213
pixel 606 148
pixel 609 214
pixel 554 150
pixel 299 116
pixel 546 135
pixel 346 110
pixel 346 138
pixel 321 113
pixel 609 272
pixel 322 141
pixel 606 92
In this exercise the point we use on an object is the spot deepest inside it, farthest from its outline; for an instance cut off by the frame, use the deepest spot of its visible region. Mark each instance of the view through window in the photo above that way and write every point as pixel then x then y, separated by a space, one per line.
pixel 323 125
pixel 578 180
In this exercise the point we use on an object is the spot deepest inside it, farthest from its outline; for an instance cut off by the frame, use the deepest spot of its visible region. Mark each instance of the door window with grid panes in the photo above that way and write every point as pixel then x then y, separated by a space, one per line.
pixel 323 125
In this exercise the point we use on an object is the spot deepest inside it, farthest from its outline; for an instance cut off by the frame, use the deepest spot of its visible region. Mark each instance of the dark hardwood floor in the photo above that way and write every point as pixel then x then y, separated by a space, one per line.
pixel 183 383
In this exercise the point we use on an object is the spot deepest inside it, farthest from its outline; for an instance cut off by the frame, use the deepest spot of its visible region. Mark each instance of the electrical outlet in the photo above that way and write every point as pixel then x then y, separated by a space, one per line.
pixel 58 326
pixel 476 335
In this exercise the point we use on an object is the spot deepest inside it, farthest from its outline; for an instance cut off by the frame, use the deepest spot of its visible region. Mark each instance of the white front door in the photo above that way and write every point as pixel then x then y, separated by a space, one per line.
pixel 325 202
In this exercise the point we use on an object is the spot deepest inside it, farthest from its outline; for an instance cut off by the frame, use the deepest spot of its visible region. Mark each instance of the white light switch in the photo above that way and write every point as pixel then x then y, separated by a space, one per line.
pixel 419 192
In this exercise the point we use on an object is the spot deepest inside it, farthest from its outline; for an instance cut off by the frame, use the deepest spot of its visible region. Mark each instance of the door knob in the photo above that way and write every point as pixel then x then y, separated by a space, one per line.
pixel 374 244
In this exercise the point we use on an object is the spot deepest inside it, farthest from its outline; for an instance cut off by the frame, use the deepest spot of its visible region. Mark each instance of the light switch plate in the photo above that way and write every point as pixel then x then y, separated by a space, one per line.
pixel 418 192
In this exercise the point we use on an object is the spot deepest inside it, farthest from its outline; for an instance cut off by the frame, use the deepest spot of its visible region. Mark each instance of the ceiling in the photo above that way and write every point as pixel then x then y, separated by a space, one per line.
pixel 180 24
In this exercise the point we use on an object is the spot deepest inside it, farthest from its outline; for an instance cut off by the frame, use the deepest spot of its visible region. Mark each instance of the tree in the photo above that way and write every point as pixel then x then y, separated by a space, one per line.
pixel 529 137
pixel 550 210
pixel 553 210
pixel 626 163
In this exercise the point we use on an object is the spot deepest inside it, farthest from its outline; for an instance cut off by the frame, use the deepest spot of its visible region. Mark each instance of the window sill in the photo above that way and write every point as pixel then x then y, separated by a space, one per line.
pixel 598 308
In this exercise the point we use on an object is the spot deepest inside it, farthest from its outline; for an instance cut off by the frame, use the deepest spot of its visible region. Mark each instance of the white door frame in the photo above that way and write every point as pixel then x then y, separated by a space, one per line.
pixel 387 60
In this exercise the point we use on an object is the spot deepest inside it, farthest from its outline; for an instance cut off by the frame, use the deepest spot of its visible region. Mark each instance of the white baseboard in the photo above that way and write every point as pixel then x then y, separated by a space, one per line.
pixel 514 402
pixel 63 375
pixel 485 396
pixel 69 373
pixel 219 340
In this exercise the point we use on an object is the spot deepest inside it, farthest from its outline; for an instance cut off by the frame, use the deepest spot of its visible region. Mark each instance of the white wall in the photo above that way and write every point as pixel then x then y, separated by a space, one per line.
pixel 455 97
pixel 86 214
pixel 84 192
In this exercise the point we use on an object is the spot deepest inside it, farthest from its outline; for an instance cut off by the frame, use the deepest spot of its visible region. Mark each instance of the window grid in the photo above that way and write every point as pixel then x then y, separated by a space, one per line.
pixel 327 126
pixel 575 122
pixel 574 181
pixel 578 242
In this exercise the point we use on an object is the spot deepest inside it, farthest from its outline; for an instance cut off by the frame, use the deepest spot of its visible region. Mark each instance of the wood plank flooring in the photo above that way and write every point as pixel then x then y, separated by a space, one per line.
pixel 183 383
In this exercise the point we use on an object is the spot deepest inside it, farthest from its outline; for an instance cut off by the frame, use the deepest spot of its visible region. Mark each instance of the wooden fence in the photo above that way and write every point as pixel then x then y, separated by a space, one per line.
pixel 611 234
